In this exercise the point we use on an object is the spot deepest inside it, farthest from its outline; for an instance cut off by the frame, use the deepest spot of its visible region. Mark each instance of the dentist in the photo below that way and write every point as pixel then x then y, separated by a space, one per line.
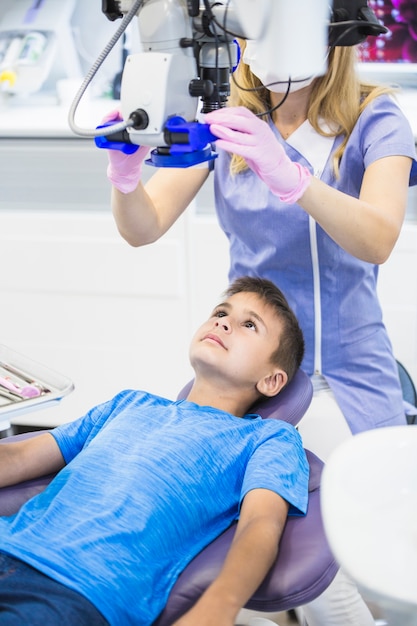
pixel 311 185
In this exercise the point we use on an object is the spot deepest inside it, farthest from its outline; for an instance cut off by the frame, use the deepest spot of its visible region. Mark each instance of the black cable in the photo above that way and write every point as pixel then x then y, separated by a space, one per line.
pixel 213 23
pixel 352 26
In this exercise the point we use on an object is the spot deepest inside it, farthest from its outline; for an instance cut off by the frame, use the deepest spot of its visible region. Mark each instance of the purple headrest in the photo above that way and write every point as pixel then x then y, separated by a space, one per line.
pixel 289 405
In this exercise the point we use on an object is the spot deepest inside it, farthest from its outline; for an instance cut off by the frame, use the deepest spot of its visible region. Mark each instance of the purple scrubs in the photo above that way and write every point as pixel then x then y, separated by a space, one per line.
pixel 332 292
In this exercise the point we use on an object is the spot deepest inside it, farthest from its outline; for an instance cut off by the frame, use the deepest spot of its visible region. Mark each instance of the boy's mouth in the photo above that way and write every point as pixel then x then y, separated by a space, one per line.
pixel 215 338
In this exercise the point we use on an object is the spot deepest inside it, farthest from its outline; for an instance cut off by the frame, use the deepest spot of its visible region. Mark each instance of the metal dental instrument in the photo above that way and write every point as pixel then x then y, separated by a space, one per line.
pixel 23 376
pixel 28 391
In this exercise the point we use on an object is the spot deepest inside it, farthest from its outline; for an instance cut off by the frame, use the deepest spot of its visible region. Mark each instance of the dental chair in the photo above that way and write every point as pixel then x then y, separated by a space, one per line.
pixel 305 565
pixel 369 506
pixel 409 394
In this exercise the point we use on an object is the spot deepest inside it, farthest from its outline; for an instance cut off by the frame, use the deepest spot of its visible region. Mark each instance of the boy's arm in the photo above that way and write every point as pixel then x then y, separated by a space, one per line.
pixel 251 555
pixel 29 458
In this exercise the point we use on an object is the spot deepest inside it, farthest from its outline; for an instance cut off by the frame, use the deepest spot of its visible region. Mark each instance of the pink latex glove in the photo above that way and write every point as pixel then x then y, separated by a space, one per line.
pixel 124 170
pixel 243 133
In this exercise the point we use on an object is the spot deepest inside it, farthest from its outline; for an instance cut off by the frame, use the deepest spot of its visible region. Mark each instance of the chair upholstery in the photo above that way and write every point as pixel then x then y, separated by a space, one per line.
pixel 289 405
pixel 409 394
pixel 303 570
pixel 305 564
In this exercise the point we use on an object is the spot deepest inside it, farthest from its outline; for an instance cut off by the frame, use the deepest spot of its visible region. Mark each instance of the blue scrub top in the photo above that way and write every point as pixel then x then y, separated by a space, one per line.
pixel 274 240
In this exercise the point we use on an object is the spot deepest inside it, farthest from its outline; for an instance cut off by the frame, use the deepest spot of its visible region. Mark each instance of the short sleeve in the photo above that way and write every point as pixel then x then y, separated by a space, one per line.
pixel 385 131
pixel 279 463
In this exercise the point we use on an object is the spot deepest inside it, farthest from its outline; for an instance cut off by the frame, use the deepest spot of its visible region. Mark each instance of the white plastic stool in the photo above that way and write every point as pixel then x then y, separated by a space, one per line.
pixel 369 506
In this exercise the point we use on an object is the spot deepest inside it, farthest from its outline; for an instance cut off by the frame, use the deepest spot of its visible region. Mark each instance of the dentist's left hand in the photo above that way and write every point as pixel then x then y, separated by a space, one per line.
pixel 124 171
pixel 241 132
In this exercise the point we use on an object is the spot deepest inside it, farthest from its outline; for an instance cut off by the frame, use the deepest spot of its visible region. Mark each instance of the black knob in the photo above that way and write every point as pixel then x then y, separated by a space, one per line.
pixel 140 119
pixel 199 88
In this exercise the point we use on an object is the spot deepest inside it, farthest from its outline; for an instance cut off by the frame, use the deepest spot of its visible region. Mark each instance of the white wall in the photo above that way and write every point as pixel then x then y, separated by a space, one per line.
pixel 397 288
pixel 77 298
pixel 80 300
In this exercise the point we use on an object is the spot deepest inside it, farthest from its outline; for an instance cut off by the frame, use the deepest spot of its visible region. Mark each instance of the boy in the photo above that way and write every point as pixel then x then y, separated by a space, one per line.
pixel 154 481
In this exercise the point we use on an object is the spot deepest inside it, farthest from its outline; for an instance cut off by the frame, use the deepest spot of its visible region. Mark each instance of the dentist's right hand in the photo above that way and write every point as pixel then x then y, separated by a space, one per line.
pixel 241 132
pixel 124 171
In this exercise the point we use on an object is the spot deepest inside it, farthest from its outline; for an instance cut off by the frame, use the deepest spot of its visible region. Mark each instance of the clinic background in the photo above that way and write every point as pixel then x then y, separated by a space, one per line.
pixel 73 294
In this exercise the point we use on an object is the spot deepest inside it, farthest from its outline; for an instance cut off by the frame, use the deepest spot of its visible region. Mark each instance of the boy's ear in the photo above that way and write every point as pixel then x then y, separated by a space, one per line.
pixel 272 384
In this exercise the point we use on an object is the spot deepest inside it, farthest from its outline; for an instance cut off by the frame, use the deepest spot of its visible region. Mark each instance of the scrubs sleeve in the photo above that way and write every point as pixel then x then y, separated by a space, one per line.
pixel 385 131
pixel 280 464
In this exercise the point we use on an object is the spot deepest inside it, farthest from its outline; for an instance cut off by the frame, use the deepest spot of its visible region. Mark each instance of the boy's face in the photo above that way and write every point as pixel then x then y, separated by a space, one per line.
pixel 236 343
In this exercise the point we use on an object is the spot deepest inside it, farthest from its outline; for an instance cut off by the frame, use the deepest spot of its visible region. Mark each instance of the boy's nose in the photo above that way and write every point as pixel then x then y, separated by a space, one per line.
pixel 223 324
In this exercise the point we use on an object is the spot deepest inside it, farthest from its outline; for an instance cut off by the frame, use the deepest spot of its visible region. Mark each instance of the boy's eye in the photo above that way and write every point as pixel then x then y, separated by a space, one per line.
pixel 250 324
pixel 219 313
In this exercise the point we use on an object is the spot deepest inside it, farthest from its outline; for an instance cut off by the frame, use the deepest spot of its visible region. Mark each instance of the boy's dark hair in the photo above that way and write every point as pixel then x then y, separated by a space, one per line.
pixel 290 350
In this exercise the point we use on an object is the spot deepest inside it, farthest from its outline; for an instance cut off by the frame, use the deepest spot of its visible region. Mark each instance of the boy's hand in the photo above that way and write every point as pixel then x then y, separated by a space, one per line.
pixel 243 133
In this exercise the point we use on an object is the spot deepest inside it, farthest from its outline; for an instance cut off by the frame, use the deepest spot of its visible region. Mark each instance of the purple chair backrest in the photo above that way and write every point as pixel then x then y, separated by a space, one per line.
pixel 305 565
pixel 289 405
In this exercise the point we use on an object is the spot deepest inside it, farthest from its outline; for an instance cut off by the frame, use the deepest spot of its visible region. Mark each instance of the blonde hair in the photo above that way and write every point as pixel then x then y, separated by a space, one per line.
pixel 338 97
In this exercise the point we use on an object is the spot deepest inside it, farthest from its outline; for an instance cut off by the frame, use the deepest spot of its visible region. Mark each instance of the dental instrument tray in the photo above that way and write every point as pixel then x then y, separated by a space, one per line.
pixel 26 385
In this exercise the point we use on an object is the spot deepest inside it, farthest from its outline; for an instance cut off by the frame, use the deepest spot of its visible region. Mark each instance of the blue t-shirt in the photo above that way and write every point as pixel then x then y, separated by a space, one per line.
pixel 148 484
